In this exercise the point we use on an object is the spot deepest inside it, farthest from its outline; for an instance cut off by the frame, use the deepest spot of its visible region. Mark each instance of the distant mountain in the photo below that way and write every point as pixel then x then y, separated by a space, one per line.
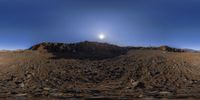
pixel 191 50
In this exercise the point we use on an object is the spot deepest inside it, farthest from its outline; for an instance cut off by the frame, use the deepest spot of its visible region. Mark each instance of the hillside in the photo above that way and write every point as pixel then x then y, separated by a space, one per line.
pixel 82 50
pixel 91 69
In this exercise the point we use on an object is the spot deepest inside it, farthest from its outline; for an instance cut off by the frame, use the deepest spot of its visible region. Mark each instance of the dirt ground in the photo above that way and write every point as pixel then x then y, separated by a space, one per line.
pixel 138 73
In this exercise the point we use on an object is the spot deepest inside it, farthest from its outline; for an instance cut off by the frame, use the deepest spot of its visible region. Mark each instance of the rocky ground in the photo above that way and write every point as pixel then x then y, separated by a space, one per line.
pixel 98 70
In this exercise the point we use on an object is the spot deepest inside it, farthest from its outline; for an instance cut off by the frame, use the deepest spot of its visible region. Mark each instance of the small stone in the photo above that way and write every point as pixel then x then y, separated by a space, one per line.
pixel 128 87
pixel 45 93
pixel 21 94
pixel 22 85
pixel 29 76
pixel 165 93
pixel 57 94
pixel 47 89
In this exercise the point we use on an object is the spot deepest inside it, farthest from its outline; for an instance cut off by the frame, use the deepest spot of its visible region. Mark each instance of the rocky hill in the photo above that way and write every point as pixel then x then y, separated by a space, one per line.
pixel 82 50
pixel 91 69
pixel 91 50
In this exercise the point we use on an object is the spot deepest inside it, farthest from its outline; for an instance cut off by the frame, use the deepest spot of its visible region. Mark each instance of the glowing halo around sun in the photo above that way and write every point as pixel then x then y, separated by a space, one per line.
pixel 102 36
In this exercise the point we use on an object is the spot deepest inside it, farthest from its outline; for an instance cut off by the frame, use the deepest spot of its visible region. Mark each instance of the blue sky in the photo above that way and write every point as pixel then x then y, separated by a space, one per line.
pixel 125 22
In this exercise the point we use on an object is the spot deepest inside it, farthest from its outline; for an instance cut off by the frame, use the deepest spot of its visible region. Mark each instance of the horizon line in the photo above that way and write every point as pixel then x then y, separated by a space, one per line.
pixel 120 45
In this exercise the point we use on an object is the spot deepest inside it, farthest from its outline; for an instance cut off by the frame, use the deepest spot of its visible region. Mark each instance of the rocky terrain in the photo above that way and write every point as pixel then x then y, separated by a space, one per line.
pixel 99 70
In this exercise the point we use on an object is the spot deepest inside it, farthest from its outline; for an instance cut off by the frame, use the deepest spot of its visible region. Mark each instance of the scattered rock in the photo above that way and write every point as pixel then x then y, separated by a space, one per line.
pixel 98 69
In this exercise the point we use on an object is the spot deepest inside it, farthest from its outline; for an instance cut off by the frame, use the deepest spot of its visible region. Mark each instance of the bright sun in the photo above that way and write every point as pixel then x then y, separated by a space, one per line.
pixel 101 36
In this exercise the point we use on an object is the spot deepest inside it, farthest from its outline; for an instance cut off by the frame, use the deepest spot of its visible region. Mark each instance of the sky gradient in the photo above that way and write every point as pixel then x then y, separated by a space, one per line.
pixel 176 23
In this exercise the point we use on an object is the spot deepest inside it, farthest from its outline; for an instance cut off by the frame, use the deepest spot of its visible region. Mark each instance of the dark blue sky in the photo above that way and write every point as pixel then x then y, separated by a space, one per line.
pixel 124 22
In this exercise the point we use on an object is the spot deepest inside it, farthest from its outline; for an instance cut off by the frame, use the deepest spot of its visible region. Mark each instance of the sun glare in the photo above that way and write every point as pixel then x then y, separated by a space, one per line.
pixel 101 36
